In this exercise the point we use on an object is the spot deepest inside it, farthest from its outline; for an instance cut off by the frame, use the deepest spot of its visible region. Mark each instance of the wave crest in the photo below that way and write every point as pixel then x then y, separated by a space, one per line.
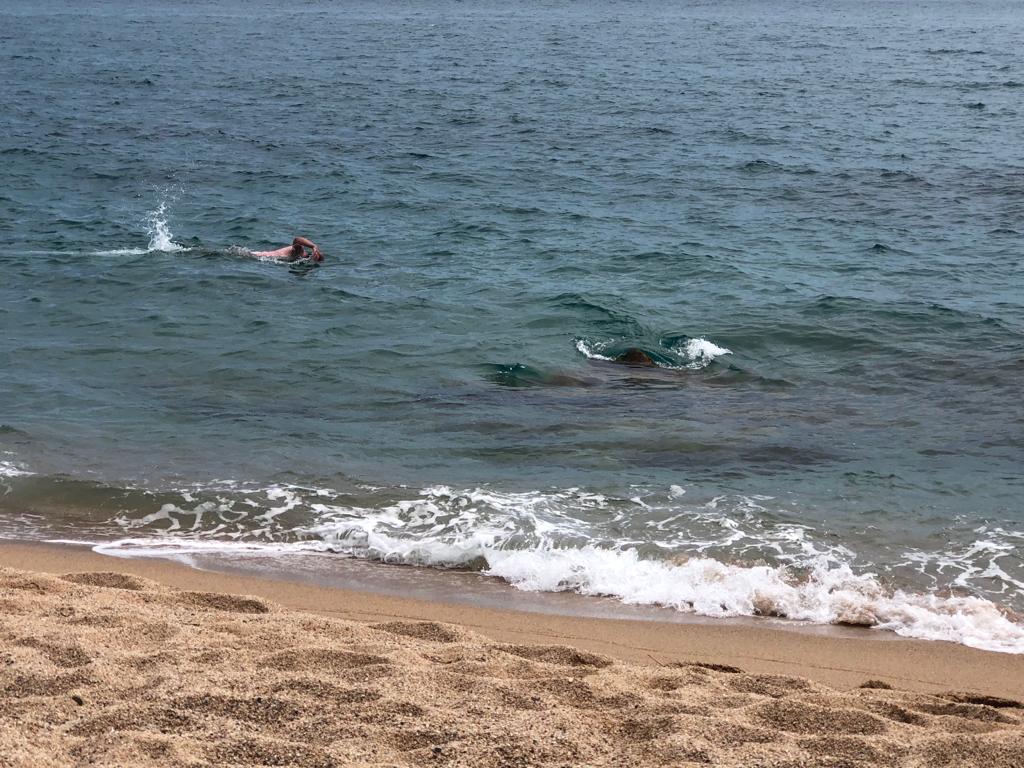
pixel 684 353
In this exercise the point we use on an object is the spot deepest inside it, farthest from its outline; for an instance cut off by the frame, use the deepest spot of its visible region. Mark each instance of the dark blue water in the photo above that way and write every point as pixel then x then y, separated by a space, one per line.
pixel 803 225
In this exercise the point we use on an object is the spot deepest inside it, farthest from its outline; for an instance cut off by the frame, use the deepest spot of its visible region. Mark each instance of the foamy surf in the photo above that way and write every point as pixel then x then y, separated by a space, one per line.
pixel 12 469
pixel 703 352
pixel 681 558
pixel 830 594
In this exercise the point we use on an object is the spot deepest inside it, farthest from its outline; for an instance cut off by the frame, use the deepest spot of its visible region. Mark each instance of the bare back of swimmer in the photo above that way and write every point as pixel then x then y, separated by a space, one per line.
pixel 293 252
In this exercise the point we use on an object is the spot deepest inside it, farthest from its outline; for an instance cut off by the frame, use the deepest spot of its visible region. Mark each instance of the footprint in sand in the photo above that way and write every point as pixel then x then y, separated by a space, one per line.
pixel 264 751
pixel 220 602
pixel 774 686
pixel 979 712
pixel 799 717
pixel 989 701
pixel 255 709
pixel 22 686
pixel 322 660
pixel 109 580
pixel 324 692
pixel 556 654
pixel 421 630
pixel 67 656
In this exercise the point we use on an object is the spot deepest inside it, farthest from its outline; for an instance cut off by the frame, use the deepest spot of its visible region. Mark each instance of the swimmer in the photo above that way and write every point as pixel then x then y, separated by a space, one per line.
pixel 293 252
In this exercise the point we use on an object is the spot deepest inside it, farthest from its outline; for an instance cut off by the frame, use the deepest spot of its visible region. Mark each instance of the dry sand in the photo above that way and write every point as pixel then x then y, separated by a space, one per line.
pixel 100 665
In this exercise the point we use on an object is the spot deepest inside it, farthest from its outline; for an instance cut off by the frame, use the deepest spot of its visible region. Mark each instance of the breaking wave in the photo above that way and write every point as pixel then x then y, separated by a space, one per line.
pixel 723 557
pixel 684 354
pixel 12 469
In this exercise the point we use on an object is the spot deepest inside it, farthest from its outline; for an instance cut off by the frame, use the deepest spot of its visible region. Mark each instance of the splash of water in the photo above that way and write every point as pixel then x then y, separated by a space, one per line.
pixel 703 352
pixel 696 352
pixel 159 232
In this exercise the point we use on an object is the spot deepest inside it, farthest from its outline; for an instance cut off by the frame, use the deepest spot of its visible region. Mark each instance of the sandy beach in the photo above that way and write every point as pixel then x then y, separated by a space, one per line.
pixel 128 662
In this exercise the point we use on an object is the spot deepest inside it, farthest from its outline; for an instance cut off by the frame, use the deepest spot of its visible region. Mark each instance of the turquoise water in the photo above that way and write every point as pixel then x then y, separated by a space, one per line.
pixel 809 222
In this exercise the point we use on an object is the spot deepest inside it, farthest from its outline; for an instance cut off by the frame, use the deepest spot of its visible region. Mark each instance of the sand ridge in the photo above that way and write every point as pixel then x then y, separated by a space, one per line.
pixel 114 669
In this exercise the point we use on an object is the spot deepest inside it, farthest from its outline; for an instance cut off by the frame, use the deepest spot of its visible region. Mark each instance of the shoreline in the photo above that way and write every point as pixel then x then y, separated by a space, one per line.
pixel 461 587
pixel 844 658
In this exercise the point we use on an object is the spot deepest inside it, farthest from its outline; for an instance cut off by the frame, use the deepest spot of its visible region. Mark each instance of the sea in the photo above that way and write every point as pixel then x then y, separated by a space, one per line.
pixel 708 309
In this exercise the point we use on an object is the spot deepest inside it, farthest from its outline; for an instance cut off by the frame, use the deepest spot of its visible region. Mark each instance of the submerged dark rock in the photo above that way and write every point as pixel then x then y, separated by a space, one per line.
pixel 635 356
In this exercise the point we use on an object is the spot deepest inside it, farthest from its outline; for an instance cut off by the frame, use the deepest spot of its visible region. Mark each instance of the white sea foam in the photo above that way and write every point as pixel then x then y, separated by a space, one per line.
pixel 12 469
pixel 180 546
pixel 829 594
pixel 703 352
pixel 106 252
pixel 591 350
pixel 571 540
pixel 122 252
pixel 8 470
pixel 988 558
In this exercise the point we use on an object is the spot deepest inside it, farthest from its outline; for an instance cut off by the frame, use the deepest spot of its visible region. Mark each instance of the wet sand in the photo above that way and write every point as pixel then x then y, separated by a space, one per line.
pixel 136 662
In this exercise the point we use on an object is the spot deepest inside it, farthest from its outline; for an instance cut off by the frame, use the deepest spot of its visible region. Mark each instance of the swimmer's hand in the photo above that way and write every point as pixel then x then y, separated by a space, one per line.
pixel 317 255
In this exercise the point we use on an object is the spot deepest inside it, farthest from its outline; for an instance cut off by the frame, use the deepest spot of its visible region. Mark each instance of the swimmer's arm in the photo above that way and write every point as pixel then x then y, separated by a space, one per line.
pixel 317 255
pixel 280 253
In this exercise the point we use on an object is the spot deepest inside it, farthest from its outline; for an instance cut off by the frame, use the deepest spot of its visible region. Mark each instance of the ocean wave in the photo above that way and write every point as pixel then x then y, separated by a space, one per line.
pixel 828 594
pixel 703 352
pixel 10 471
pixel 685 353
pixel 591 351
pixel 724 557
pixel 520 376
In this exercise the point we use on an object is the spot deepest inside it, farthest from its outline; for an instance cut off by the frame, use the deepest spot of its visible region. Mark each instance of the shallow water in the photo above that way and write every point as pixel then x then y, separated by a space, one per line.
pixel 810 222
